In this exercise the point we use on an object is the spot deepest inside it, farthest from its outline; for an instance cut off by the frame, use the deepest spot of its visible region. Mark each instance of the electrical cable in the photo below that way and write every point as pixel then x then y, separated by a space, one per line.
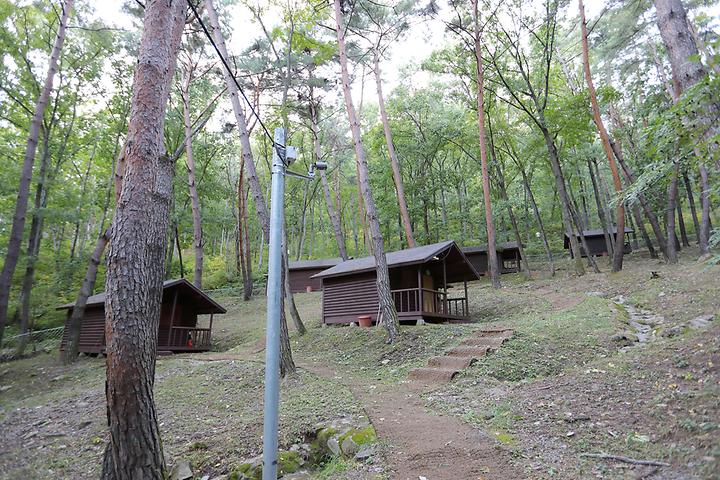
pixel 278 147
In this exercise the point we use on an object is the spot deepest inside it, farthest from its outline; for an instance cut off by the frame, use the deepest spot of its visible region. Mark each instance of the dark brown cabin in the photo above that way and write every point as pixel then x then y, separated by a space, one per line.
pixel 508 255
pixel 595 239
pixel 420 278
pixel 301 273
pixel 182 302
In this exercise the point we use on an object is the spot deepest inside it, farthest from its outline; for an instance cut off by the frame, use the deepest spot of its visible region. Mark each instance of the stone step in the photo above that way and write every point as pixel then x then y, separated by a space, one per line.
pixel 491 343
pixel 433 375
pixel 498 333
pixel 459 363
pixel 473 352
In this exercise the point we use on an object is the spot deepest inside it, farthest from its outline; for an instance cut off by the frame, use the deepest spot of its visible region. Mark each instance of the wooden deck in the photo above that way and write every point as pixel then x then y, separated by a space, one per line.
pixel 430 305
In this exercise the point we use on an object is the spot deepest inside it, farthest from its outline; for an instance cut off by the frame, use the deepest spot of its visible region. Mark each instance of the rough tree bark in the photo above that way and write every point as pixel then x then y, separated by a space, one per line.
pixel 18 224
pixel 287 366
pixel 387 305
pixel 192 187
pixel 479 72
pixel 599 206
pixel 670 216
pixel 397 177
pixel 687 71
pixel 605 138
pixel 691 201
pixel 135 256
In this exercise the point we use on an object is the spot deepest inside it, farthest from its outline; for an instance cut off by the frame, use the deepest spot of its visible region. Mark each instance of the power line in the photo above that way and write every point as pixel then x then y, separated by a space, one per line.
pixel 280 148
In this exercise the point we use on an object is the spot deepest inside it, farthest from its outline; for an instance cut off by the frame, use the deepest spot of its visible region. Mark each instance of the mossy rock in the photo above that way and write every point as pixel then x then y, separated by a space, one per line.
pixel 365 436
pixel 289 462
pixel 319 450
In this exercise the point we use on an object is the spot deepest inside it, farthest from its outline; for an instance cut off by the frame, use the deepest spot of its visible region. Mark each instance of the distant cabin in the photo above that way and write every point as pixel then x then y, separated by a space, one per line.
pixel 301 273
pixel 182 302
pixel 508 254
pixel 420 284
pixel 595 239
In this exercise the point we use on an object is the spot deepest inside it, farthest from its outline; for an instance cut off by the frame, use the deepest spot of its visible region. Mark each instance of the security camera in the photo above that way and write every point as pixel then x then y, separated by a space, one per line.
pixel 317 166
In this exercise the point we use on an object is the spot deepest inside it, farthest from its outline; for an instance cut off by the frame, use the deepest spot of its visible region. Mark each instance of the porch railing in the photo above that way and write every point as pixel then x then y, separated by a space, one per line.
pixel 411 300
pixel 190 338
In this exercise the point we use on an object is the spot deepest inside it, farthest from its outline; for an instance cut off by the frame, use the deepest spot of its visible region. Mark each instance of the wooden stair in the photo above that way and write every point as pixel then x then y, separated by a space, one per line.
pixel 442 369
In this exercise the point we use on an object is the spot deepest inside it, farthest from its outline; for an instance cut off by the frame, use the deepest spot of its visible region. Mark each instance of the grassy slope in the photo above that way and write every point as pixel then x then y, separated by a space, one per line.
pixel 659 400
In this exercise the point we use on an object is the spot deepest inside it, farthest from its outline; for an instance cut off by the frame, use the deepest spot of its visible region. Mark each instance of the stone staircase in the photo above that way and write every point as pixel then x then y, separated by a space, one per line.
pixel 442 369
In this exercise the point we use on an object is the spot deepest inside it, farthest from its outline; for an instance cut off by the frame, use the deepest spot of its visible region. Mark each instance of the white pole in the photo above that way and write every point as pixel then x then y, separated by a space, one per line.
pixel 274 304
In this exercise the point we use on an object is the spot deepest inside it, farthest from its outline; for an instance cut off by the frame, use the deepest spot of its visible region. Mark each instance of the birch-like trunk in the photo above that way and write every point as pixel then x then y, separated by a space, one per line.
pixel 192 187
pixel 387 305
pixel 394 164
pixel 287 366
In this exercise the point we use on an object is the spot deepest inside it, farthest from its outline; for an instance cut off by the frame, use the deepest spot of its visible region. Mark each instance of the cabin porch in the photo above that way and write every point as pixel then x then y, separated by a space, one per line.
pixel 414 304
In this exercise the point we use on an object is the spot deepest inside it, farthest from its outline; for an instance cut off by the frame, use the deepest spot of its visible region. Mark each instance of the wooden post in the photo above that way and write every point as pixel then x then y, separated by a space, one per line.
pixel 172 318
pixel 445 300
pixel 467 306
pixel 419 298
pixel 210 329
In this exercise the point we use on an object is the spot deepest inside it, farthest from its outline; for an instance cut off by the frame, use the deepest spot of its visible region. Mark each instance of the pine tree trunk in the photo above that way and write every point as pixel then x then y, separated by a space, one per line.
pixel 538 219
pixel 620 210
pixel 397 177
pixel 387 305
pixel 192 187
pixel 18 225
pixel 286 363
pixel 687 71
pixel 78 210
pixel 135 257
pixel 681 222
pixel 490 227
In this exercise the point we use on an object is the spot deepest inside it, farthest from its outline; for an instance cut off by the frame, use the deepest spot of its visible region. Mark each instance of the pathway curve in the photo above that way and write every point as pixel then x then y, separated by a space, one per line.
pixel 422 443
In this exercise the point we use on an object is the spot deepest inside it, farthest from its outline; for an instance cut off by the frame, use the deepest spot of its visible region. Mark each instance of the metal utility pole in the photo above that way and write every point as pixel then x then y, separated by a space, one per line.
pixel 280 160
pixel 274 304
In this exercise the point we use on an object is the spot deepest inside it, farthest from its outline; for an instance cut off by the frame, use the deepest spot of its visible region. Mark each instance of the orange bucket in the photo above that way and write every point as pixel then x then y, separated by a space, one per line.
pixel 365 321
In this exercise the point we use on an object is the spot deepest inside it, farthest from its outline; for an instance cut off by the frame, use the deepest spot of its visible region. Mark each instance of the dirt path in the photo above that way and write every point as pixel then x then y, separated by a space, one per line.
pixel 422 444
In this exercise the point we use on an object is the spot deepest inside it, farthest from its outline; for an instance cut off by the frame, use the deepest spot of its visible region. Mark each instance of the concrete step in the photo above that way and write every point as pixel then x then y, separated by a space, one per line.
pixel 473 352
pixel 459 363
pixel 433 375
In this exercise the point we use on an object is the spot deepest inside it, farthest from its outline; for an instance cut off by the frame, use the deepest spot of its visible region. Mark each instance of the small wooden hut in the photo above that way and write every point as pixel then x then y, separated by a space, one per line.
pixel 301 273
pixel 595 240
pixel 508 255
pixel 182 302
pixel 420 280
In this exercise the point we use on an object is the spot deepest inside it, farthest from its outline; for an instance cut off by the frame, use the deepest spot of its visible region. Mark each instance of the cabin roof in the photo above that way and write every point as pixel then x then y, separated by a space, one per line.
pixel 203 303
pixel 314 264
pixel 484 248
pixel 400 258
pixel 598 232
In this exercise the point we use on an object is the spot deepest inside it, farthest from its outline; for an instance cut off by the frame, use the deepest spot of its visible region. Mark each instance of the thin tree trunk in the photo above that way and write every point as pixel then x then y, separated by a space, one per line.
pixel 397 177
pixel 387 305
pixel 620 211
pixel 643 231
pixel 192 187
pixel 600 208
pixel 18 225
pixel 135 257
pixel 513 220
pixel 670 216
pixel 649 214
pixel 332 213
pixel 83 190
pixel 287 366
pixel 78 312
pixel 705 204
pixel 179 250
pixel 691 201
pixel 538 219
pixel 479 72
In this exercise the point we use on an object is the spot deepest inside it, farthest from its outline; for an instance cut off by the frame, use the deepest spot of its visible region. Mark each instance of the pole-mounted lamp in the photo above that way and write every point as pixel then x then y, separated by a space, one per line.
pixel 282 157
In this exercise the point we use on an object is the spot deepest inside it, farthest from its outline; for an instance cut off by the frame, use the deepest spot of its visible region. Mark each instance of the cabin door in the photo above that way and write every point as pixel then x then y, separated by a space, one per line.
pixel 428 296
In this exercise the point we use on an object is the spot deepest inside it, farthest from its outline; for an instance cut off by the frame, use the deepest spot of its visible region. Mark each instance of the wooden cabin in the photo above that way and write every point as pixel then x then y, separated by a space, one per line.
pixel 420 283
pixel 508 255
pixel 301 273
pixel 595 240
pixel 179 331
